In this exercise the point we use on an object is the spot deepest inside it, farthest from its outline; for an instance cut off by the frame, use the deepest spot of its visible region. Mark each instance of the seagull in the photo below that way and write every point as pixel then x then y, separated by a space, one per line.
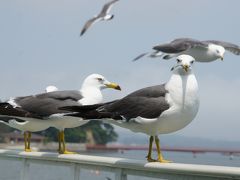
pixel 26 126
pixel 102 16
pixel 155 110
pixel 39 112
pixel 202 51
pixel 51 88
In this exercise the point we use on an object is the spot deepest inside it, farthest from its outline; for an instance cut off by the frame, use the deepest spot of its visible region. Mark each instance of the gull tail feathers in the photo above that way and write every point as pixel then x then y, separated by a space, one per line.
pixel 95 115
pixel 95 111
pixel 85 107
pixel 80 108
pixel 7 109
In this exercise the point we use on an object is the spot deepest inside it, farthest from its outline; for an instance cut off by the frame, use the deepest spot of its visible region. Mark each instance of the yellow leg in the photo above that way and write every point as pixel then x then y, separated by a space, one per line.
pixel 59 143
pixel 27 142
pixel 160 157
pixel 149 156
pixel 63 150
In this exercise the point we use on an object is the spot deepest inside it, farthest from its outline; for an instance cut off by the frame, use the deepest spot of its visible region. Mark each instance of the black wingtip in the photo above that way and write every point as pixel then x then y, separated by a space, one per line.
pixel 4 103
pixel 166 57
pixel 81 34
pixel 68 108
pixel 80 108
pixel 139 57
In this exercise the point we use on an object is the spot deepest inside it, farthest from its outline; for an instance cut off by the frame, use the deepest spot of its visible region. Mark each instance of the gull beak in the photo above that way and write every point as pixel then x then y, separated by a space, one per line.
pixel 113 86
pixel 186 67
pixel 221 58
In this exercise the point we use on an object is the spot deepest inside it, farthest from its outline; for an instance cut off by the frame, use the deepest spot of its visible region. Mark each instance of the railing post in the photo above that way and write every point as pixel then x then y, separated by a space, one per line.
pixel 25 170
pixel 119 175
pixel 75 170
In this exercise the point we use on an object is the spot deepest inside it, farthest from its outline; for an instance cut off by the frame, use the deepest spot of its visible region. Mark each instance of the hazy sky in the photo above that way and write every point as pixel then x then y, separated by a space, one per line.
pixel 40 45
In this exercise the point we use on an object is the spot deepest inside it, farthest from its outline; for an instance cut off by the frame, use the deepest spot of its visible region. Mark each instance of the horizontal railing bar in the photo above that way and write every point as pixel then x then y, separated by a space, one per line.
pixel 109 169
pixel 171 149
pixel 168 175
pixel 127 165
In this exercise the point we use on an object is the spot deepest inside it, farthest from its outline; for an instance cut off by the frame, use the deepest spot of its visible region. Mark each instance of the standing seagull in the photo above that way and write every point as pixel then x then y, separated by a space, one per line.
pixel 39 112
pixel 202 51
pixel 153 110
pixel 26 126
pixel 102 16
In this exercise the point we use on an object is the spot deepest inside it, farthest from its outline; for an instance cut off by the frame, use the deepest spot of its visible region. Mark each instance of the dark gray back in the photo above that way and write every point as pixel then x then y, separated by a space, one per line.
pixel 148 103
pixel 48 103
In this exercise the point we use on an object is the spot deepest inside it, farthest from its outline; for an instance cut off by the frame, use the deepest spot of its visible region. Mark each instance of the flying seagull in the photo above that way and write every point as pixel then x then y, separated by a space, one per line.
pixel 202 51
pixel 39 112
pixel 153 110
pixel 102 16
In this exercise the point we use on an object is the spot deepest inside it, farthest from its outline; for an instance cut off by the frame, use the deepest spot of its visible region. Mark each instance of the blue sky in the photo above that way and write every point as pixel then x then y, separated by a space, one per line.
pixel 40 45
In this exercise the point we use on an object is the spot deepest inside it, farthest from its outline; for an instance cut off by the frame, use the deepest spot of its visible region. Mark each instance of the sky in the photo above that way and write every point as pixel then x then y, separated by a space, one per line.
pixel 40 46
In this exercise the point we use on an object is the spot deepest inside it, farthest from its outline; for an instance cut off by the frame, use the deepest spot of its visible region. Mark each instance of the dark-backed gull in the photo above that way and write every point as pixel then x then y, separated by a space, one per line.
pixel 153 110
pixel 202 51
pixel 39 112
pixel 102 16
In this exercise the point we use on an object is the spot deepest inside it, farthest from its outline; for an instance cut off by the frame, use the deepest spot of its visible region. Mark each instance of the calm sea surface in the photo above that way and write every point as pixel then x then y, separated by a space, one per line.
pixel 10 170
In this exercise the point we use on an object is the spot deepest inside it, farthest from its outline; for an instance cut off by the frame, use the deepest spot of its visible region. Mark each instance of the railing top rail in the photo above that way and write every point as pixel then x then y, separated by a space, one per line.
pixel 126 164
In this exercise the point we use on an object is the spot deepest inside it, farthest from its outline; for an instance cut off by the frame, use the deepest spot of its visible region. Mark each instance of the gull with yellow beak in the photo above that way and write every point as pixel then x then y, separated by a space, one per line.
pixel 38 112
pixel 202 51
pixel 154 110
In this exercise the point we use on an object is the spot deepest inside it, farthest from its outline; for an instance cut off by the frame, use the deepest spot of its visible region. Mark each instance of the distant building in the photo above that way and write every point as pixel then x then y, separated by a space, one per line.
pixel 17 137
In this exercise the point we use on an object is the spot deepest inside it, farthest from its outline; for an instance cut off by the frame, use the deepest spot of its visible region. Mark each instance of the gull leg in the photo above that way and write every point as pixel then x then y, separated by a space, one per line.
pixel 59 142
pixel 26 149
pixel 25 140
pixel 29 140
pixel 149 156
pixel 160 157
pixel 64 151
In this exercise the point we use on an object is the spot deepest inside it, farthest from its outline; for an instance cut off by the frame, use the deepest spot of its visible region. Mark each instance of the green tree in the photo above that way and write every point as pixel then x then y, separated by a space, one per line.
pixel 103 133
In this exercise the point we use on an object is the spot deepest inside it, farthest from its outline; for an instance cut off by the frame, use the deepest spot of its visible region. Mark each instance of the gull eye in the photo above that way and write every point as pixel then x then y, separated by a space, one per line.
pixel 178 60
pixel 192 62
pixel 100 79
pixel 218 51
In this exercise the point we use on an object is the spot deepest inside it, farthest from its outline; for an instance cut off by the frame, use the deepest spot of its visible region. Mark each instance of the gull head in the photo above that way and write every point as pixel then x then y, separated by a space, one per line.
pixel 217 51
pixel 184 64
pixel 100 82
pixel 51 89
pixel 108 17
